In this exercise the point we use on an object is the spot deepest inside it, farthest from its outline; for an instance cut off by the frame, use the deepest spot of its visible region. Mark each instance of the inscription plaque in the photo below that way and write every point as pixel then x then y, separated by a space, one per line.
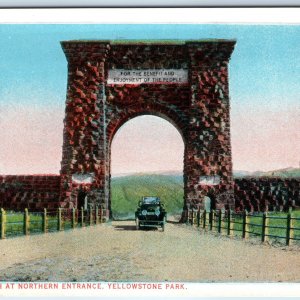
pixel 150 76
pixel 83 178
pixel 209 180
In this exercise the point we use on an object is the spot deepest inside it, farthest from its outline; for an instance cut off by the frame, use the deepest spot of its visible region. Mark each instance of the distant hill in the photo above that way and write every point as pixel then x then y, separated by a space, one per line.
pixel 126 191
pixel 241 173
pixel 282 173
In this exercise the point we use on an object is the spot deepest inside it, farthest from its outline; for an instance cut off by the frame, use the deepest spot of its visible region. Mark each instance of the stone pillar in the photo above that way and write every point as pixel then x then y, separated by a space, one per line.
pixel 208 148
pixel 83 163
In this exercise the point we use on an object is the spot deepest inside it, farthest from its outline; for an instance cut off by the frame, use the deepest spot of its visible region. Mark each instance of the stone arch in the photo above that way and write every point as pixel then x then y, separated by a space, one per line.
pixel 167 114
pixel 155 108
pixel 185 82
pixel 128 119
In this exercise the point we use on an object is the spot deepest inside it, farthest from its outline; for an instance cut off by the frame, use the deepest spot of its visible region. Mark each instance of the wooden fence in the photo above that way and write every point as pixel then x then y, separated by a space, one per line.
pixel 280 226
pixel 284 227
pixel 30 222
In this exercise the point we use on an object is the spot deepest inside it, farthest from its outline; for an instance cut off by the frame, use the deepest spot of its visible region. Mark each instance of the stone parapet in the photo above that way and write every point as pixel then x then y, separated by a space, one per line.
pixel 34 192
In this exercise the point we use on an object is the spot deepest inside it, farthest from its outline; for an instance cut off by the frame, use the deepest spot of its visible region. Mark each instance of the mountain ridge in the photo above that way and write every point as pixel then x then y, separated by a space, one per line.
pixel 288 172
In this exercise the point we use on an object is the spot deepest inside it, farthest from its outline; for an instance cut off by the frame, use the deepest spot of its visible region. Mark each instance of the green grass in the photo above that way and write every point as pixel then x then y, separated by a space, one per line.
pixel 127 191
pixel 255 222
pixel 14 222
pixel 276 219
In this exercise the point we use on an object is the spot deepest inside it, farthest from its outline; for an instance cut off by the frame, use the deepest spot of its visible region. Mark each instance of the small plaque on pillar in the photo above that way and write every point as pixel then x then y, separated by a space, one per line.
pixel 87 178
pixel 209 180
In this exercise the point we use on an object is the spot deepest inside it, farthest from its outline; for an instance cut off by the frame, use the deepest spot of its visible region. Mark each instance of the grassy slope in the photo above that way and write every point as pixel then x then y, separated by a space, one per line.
pixel 127 191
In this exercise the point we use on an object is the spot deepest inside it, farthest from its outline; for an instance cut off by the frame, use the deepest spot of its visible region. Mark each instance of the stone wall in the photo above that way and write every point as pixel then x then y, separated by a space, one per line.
pixel 266 194
pixel 37 192
pixel 34 192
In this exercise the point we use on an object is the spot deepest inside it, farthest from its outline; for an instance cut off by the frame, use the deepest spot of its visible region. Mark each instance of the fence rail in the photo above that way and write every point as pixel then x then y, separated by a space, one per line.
pixel 284 227
pixel 32 222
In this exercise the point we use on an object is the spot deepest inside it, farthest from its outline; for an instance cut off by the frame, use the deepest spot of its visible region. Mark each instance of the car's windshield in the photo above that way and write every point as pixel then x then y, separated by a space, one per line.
pixel 150 200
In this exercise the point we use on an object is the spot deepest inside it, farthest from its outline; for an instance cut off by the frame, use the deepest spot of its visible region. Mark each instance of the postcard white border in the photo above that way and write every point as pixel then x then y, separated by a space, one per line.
pixel 240 16
pixel 146 3
pixel 243 16
pixel 191 290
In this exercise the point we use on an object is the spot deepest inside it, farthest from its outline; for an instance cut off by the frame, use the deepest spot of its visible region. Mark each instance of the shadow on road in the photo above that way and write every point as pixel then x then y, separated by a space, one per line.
pixel 133 228
pixel 173 222
pixel 125 227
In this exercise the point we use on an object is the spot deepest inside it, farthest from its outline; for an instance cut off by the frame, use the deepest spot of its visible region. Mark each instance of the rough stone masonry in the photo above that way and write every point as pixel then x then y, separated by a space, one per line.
pixel 184 82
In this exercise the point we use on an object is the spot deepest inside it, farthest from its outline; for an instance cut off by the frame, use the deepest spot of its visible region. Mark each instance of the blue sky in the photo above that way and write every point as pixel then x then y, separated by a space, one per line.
pixel 264 57
pixel 264 80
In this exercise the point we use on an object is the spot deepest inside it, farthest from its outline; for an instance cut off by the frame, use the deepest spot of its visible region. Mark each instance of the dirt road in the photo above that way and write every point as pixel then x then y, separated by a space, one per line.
pixel 118 252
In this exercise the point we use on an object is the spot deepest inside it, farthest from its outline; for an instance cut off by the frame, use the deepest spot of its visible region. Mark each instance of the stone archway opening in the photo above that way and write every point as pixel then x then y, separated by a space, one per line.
pixel 147 154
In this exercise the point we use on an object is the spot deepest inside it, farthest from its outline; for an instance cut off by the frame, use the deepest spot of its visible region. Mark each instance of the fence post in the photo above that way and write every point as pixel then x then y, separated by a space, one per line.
pixel 97 215
pixel 232 222
pixel 82 217
pixel 26 222
pixel 267 227
pixel 2 223
pixel 264 227
pixel 291 228
pixel 45 220
pixel 91 216
pixel 59 220
pixel 288 228
pixel 245 226
pixel 73 217
pixel 220 221
pixel 100 214
pixel 204 218
pixel 194 216
pixel 229 222
pixel 211 216
pixel 198 217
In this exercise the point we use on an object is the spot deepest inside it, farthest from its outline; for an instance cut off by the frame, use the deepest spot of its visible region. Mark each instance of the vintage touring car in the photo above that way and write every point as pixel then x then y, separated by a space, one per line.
pixel 150 213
